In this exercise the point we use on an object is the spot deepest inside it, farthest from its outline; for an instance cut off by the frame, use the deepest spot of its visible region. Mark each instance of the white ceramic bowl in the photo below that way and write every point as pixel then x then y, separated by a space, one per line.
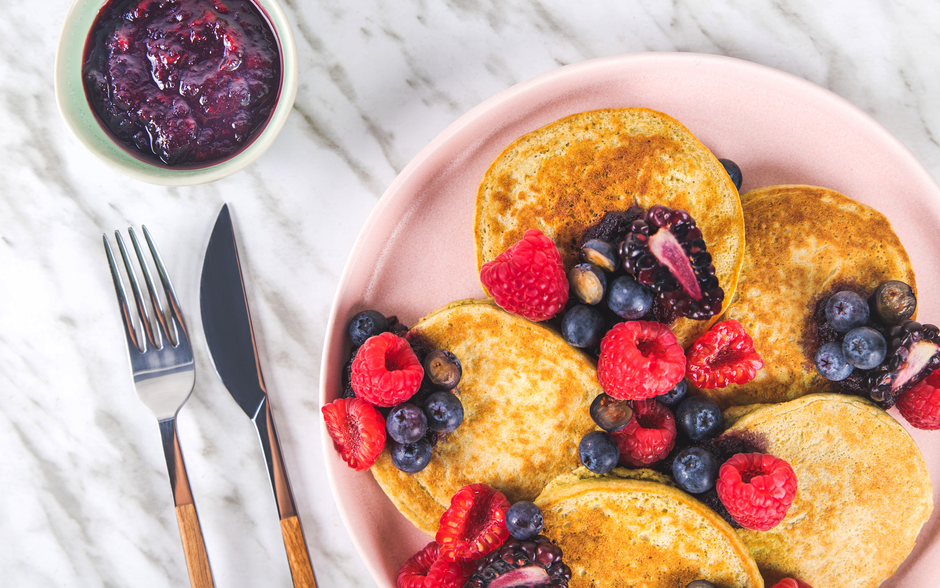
pixel 78 115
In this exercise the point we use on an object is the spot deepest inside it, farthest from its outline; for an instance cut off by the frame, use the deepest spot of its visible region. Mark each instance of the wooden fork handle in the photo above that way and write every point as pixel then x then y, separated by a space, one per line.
pixel 300 569
pixel 194 548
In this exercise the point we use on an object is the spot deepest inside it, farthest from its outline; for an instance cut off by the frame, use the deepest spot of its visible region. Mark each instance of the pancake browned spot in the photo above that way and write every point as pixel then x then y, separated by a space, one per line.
pixel 526 396
pixel 803 244
pixel 563 177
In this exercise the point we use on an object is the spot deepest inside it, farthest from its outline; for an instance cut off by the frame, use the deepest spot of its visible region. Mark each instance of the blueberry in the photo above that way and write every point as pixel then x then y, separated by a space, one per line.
pixel 524 520
pixel 864 347
pixel 598 452
pixel 894 302
pixel 367 323
pixel 695 470
pixel 600 253
pixel 444 412
pixel 674 396
pixel 699 417
pixel 831 363
pixel 700 584
pixel 587 282
pixel 734 171
pixel 628 298
pixel 406 423
pixel 583 326
pixel 846 310
pixel 611 414
pixel 410 457
pixel 443 369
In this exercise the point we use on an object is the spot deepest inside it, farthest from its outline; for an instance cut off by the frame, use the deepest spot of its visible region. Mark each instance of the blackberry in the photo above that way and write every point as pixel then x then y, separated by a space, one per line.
pixel 665 250
pixel 913 352
pixel 534 563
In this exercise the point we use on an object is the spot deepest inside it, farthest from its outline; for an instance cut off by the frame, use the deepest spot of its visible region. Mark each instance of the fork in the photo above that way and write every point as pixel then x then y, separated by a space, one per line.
pixel 164 372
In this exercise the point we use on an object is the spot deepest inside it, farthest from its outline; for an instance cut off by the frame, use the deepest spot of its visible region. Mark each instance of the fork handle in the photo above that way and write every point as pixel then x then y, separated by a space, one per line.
pixel 300 569
pixel 194 547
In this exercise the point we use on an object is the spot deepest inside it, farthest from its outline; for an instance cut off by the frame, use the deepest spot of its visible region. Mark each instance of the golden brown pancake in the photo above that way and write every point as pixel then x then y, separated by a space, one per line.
pixel 627 528
pixel 803 244
pixel 863 490
pixel 563 177
pixel 526 396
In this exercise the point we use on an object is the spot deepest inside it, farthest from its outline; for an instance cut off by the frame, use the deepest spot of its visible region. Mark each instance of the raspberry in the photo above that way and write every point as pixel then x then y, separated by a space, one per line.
pixel 724 355
pixel 426 569
pixel 757 489
pixel 529 278
pixel 791 583
pixel 474 524
pixel 357 429
pixel 639 359
pixel 921 404
pixel 649 437
pixel 386 371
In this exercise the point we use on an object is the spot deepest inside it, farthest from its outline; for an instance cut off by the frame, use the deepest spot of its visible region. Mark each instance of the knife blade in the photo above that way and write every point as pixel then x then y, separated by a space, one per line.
pixel 226 321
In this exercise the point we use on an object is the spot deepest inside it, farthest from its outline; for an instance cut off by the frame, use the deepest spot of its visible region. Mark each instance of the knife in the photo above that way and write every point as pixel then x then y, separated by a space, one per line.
pixel 227 324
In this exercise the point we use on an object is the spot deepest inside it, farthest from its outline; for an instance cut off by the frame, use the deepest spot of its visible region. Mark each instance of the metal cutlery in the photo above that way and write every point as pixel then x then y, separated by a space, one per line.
pixel 226 321
pixel 164 372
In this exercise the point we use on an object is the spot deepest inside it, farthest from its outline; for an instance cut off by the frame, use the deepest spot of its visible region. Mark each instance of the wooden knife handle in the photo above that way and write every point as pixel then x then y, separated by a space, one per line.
pixel 197 561
pixel 300 569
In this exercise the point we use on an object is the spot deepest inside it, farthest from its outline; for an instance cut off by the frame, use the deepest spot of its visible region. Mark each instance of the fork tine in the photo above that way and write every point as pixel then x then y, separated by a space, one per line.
pixel 138 299
pixel 161 322
pixel 129 326
pixel 173 311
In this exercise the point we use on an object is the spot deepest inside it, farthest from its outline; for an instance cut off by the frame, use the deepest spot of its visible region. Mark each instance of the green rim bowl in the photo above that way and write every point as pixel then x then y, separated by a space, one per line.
pixel 75 109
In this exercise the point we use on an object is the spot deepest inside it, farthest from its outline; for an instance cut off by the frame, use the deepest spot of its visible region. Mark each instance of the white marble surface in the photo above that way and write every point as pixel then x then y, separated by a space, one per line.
pixel 85 498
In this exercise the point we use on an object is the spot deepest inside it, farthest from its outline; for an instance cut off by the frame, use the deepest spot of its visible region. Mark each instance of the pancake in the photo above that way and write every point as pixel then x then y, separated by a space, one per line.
pixel 628 529
pixel 563 177
pixel 803 244
pixel 863 490
pixel 526 396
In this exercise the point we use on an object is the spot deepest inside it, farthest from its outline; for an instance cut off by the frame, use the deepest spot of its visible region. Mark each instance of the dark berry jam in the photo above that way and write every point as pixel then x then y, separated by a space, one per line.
pixel 184 82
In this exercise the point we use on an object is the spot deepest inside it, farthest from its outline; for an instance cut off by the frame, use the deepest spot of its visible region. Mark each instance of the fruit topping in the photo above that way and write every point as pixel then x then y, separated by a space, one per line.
pixel 674 396
pixel 920 405
pixel 600 253
pixel 426 569
pixel 442 369
pixel 639 359
pixel 528 279
pixel 695 470
pixel 734 172
pixel 411 457
pixel 894 301
pixel 386 371
pixel 649 437
pixel 524 520
pixel 846 310
pixel 722 356
pixel 831 362
pixel 791 583
pixel 587 282
pixel 864 347
pixel 914 352
pixel 613 226
pixel 406 423
pixel 533 563
pixel 757 489
pixel 365 324
pixel 599 452
pixel 700 584
pixel 666 252
pixel 583 326
pixel 609 413
pixel 357 430
pixel 444 412
pixel 699 418
pixel 628 298
pixel 474 524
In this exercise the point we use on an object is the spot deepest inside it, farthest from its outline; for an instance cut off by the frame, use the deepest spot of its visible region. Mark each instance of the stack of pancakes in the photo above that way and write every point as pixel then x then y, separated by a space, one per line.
pixel 526 393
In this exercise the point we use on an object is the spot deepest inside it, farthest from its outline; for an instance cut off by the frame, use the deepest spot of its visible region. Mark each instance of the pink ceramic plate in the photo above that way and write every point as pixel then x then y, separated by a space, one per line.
pixel 417 253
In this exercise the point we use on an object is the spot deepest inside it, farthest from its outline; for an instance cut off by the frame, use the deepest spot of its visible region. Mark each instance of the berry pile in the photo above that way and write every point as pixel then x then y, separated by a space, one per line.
pixel 397 394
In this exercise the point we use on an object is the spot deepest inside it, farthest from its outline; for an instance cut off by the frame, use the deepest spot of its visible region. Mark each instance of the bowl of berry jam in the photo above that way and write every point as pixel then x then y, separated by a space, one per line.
pixel 176 92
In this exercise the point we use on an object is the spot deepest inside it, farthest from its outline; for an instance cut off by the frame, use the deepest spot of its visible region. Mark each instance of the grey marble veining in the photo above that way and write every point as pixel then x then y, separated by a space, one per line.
pixel 85 497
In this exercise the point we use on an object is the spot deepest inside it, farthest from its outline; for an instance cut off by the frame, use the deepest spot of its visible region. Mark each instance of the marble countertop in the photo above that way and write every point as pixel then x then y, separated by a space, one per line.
pixel 85 496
